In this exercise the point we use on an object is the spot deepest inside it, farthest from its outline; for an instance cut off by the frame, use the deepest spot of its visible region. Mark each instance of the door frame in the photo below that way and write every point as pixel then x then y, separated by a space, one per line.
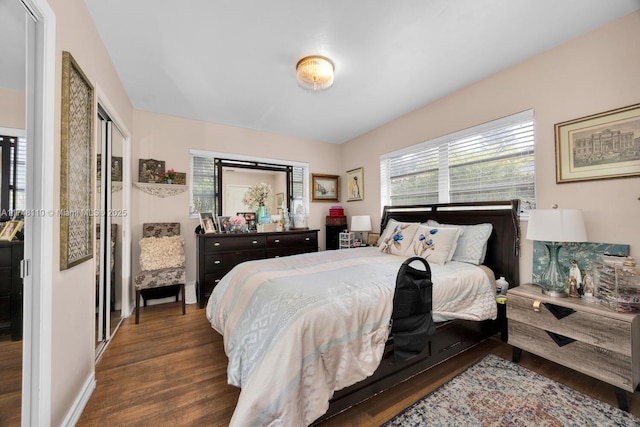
pixel 38 243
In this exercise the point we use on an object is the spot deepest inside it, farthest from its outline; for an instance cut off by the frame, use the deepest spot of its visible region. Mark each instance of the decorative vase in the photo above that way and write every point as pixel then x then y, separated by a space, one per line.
pixel 261 215
pixel 169 181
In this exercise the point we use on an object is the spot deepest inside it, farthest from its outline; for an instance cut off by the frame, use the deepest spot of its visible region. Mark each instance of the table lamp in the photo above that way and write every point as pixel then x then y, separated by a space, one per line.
pixel 361 223
pixel 553 227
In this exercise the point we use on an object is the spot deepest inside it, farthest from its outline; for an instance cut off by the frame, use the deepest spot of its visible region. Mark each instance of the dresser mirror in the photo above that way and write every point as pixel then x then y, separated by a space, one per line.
pixel 234 177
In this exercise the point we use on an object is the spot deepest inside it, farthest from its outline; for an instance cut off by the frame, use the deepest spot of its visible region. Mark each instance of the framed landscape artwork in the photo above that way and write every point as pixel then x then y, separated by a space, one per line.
pixel 601 146
pixel 355 185
pixel 325 188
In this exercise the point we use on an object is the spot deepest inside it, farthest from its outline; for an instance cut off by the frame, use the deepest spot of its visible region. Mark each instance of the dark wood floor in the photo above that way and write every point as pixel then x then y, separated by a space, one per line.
pixel 171 370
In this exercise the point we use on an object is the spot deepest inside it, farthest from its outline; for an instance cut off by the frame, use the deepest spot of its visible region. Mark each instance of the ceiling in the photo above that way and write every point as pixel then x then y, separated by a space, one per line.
pixel 233 62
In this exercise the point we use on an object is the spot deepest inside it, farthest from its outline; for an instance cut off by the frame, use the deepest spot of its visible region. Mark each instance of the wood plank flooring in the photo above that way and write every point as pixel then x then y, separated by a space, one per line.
pixel 10 381
pixel 170 370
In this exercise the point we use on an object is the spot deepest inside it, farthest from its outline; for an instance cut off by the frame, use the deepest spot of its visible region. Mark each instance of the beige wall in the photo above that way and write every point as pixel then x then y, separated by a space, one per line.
pixel 12 108
pixel 73 345
pixel 169 138
pixel 588 75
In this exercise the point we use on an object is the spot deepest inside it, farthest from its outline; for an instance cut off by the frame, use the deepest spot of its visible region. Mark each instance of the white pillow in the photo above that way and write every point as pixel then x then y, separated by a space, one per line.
pixel 435 244
pixel 472 245
pixel 161 252
pixel 397 236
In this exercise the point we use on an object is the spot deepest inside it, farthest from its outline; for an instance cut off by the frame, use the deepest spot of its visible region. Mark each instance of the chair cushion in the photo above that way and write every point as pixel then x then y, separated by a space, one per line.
pixel 161 252
pixel 160 278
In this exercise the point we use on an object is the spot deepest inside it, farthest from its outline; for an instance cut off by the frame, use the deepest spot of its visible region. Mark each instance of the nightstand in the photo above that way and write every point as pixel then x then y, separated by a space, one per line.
pixel 586 337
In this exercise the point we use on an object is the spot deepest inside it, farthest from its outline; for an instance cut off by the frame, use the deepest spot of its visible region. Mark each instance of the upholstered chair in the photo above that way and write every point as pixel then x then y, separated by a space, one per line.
pixel 162 260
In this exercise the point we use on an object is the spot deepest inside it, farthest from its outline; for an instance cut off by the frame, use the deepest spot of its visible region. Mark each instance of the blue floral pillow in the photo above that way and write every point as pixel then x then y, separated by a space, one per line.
pixel 397 236
pixel 435 244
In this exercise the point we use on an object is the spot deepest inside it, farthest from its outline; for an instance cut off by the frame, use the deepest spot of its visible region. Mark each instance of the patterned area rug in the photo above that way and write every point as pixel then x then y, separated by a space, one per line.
pixel 497 392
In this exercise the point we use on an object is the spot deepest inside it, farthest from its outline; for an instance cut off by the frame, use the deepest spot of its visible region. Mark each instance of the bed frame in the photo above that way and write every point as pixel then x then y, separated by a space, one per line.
pixel 455 336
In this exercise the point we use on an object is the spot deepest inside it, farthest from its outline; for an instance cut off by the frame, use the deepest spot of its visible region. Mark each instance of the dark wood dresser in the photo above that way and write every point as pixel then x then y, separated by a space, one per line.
pixel 11 254
pixel 219 253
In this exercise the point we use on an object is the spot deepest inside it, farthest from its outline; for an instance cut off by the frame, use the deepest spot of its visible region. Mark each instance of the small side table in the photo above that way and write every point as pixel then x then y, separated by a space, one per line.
pixel 346 240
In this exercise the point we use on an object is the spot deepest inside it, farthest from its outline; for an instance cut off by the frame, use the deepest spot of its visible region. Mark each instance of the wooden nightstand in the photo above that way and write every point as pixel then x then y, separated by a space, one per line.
pixel 590 338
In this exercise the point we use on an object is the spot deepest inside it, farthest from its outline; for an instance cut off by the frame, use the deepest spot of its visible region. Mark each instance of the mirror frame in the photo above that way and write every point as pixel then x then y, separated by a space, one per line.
pixel 255 165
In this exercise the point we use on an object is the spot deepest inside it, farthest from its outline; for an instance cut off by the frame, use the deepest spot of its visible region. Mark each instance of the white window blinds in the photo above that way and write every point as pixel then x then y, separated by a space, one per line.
pixel 492 161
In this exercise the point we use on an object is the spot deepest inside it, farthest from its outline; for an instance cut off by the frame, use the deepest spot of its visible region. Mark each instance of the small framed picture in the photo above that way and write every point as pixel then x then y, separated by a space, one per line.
pixel 250 217
pixel 224 225
pixel 325 188
pixel 10 229
pixel 207 223
pixel 372 239
pixel 355 184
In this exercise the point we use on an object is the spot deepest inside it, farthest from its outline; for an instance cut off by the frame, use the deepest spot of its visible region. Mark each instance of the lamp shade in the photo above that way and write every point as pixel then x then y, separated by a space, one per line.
pixel 361 223
pixel 556 225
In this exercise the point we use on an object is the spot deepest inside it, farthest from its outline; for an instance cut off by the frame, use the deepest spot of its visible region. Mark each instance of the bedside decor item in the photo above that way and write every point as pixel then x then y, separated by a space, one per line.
pixel 325 188
pixel 76 166
pixel 149 170
pixel 355 184
pixel 555 226
pixel 361 223
pixel 315 72
pixel 599 146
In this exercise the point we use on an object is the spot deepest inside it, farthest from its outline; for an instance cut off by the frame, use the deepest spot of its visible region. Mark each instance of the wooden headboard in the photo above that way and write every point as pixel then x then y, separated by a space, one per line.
pixel 503 249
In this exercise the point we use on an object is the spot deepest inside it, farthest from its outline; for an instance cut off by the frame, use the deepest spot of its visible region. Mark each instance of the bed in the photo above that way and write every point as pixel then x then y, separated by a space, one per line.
pixel 307 336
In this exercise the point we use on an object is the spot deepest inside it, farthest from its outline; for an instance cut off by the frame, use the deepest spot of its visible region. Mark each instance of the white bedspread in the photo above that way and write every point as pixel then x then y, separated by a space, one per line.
pixel 298 328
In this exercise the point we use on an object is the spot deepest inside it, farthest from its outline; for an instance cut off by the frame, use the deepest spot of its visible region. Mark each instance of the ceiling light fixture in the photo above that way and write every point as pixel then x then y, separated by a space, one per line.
pixel 315 72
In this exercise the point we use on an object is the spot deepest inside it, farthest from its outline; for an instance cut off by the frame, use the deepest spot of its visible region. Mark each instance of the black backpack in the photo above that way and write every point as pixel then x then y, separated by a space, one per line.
pixel 411 321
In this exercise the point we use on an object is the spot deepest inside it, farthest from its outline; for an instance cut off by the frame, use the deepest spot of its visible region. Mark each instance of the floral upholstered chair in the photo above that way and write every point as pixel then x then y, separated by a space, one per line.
pixel 162 260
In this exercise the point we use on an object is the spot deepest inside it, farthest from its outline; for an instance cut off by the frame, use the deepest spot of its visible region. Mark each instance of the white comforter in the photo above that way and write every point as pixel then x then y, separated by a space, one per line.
pixel 298 328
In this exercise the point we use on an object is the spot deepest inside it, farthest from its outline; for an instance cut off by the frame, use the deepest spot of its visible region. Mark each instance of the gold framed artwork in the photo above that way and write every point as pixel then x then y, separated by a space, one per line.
pixel 372 239
pixel 149 170
pixel 10 229
pixel 355 184
pixel 76 166
pixel 600 146
pixel 325 188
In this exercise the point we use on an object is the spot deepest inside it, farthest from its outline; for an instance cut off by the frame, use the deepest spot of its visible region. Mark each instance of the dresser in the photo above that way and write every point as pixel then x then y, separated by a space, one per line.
pixel 219 253
pixel 586 337
pixel 11 254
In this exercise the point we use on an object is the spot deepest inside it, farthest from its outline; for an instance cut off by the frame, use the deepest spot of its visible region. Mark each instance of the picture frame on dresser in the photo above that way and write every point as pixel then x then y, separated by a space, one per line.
pixel 10 230
pixel 207 223
pixel 250 217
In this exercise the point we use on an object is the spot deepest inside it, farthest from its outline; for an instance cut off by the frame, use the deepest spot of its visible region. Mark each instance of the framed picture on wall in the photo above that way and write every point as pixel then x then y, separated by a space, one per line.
pixel 355 184
pixel 325 188
pixel 601 146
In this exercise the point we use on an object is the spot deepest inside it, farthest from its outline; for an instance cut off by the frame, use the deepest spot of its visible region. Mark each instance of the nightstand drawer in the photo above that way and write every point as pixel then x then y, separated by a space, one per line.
pixel 606 365
pixel 592 329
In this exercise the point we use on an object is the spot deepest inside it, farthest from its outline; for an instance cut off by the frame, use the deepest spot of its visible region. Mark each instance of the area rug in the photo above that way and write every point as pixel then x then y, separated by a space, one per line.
pixel 497 392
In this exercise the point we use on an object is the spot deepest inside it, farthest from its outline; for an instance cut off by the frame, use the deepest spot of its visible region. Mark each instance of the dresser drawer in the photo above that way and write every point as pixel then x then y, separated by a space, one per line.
pixel 597 330
pixel 292 240
pixel 5 281
pixel 607 365
pixel 5 256
pixel 275 253
pixel 210 282
pixel 216 244
pixel 225 261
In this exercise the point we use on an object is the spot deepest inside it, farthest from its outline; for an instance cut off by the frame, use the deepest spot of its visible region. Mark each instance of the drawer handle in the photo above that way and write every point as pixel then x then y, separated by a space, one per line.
pixel 536 305
pixel 216 244
pixel 307 239
pixel 217 280
pixel 277 240
pixel 216 261
pixel 255 242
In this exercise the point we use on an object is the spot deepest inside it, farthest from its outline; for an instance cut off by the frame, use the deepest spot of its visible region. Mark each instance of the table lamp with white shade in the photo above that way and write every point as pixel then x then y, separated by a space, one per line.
pixel 360 223
pixel 553 227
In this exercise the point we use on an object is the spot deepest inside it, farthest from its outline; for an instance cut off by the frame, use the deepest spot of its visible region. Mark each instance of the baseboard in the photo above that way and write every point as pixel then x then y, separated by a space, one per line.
pixel 73 416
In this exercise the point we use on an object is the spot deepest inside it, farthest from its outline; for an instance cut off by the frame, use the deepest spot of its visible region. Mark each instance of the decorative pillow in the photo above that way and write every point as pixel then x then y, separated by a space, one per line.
pixel 161 252
pixel 396 237
pixel 472 245
pixel 435 244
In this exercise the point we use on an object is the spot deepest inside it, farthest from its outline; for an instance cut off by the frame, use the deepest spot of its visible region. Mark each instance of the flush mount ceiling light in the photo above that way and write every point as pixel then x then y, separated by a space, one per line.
pixel 315 72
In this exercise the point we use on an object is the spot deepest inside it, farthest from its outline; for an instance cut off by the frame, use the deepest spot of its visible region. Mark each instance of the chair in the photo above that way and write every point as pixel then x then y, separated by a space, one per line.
pixel 162 261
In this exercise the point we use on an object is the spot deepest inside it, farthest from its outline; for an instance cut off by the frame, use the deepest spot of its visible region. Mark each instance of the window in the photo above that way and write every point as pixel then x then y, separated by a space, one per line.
pixel 205 182
pixel 13 165
pixel 492 161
